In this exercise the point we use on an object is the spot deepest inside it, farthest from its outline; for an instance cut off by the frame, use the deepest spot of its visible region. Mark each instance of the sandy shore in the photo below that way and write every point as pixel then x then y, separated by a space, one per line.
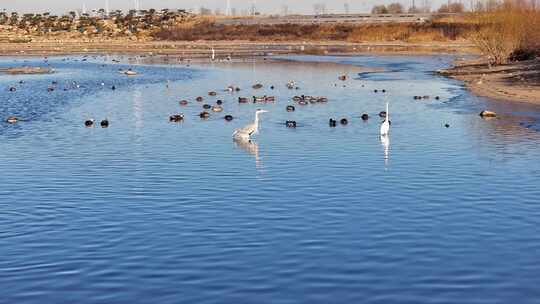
pixel 518 81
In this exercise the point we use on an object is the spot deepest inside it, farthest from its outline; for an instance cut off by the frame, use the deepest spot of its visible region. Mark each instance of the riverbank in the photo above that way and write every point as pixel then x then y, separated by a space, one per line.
pixel 200 49
pixel 518 81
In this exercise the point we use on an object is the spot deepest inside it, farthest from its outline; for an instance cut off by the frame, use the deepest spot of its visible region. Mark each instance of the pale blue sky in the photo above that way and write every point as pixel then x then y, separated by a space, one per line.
pixel 266 6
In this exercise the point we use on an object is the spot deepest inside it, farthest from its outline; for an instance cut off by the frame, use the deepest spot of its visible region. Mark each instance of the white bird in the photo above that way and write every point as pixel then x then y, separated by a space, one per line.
pixel 385 126
pixel 250 129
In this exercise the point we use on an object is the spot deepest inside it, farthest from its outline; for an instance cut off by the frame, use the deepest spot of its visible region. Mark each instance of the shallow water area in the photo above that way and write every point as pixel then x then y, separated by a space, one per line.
pixel 152 211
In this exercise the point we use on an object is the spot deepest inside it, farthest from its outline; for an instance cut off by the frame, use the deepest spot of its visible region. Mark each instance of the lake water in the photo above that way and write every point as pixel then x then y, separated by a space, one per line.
pixel 148 211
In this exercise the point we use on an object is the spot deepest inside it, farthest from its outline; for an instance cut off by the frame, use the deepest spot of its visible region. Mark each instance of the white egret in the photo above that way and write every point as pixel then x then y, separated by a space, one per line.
pixel 385 126
pixel 250 129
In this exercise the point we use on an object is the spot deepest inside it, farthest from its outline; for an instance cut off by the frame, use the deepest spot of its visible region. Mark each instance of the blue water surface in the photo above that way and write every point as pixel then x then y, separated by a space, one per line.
pixel 148 211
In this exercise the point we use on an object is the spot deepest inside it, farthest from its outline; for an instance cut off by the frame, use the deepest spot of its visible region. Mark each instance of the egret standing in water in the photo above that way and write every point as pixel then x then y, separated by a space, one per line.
pixel 252 128
pixel 385 127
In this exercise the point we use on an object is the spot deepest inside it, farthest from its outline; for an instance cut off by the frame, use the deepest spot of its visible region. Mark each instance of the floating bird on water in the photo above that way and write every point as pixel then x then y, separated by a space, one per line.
pixel 88 123
pixel 332 122
pixel 12 120
pixel 250 129
pixel 204 115
pixel 290 124
pixel 385 126
pixel 176 117
pixel 104 123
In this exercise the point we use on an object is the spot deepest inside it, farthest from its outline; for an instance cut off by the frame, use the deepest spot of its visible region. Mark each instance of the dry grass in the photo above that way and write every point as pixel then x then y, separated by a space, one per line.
pixel 209 30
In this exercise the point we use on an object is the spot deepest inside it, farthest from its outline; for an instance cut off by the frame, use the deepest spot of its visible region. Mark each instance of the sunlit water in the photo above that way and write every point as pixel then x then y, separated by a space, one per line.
pixel 148 211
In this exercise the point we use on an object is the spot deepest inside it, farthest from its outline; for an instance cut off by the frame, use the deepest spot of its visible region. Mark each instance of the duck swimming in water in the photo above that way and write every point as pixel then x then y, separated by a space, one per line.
pixel 229 117
pixel 12 120
pixel 332 122
pixel 217 109
pixel 176 117
pixel 290 109
pixel 204 115
pixel 104 123
pixel 290 124
pixel 89 123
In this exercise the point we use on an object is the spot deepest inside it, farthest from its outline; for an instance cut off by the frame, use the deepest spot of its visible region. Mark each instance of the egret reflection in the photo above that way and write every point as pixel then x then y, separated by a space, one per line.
pixel 385 142
pixel 251 148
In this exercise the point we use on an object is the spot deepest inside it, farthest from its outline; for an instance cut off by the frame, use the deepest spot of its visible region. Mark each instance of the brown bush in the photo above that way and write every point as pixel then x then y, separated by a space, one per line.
pixel 509 31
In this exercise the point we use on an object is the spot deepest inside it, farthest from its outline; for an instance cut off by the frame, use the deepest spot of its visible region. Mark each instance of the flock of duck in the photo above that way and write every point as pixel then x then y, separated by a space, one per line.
pixel 251 129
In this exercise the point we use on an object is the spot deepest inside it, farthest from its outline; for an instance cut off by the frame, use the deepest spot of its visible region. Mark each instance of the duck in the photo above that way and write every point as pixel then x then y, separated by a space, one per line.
pixel 219 102
pixel 332 122
pixel 207 106
pixel 204 115
pixel 199 99
pixel 382 114
pixel 365 117
pixel 113 88
pixel 486 113
pixel 217 109
pixel 257 86
pixel 290 109
pixel 212 93
pixel 229 117
pixel 176 117
pixel 89 123
pixel 183 102
pixel 242 100
pixel 12 120
pixel 344 121
pixel 290 124
pixel 104 123
pixel 342 77
pixel 12 89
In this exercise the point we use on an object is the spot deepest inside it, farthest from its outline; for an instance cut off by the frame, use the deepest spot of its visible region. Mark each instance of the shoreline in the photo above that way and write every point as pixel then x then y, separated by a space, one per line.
pixel 240 48
pixel 515 82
